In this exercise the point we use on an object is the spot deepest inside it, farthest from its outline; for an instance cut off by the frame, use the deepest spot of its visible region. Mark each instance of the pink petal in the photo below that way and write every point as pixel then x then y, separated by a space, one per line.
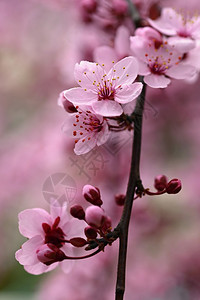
pixel 67 265
pixel 86 72
pixel 107 108
pixel 40 268
pixel 156 81
pixel 126 69
pixel 143 68
pixel 80 96
pixel 57 210
pixel 149 34
pixel 103 136
pixel 181 71
pixel 129 93
pixel 27 254
pixel 139 47
pixel 182 45
pixel 122 42
pixel 168 23
pixel 30 222
pixel 105 55
pixel 84 145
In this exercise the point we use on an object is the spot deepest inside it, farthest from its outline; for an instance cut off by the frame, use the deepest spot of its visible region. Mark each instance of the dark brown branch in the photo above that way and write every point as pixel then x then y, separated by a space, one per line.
pixel 134 182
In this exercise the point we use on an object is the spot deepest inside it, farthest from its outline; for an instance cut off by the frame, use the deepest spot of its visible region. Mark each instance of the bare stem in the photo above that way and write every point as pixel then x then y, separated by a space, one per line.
pixel 134 182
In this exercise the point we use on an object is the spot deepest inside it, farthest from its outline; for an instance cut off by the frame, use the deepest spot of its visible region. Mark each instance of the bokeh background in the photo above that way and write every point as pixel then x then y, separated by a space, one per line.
pixel 40 41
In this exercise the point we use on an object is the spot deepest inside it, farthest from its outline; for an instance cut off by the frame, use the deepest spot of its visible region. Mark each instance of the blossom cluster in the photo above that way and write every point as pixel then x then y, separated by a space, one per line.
pixel 165 51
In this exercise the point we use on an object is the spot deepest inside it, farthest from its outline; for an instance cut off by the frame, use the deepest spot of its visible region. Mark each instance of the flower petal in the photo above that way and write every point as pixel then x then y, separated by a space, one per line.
pixel 129 93
pixel 181 71
pixel 182 45
pixel 30 222
pixel 105 55
pixel 27 254
pixel 156 81
pixel 122 42
pixel 79 95
pixel 40 268
pixel 84 145
pixel 107 108
pixel 103 135
pixel 125 71
pixel 86 72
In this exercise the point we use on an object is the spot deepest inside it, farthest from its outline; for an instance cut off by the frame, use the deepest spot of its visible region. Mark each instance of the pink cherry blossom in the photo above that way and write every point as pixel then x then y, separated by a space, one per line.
pixel 159 63
pixel 45 248
pixel 88 129
pixel 105 92
pixel 183 28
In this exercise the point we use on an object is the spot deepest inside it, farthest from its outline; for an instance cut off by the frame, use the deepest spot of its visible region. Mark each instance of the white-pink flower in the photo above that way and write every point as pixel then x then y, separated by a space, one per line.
pixel 88 129
pixel 105 91
pixel 45 248
pixel 159 62
pixel 184 29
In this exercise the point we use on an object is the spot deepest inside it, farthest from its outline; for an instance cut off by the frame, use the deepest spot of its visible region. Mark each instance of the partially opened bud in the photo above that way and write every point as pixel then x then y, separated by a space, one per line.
pixel 49 254
pixel 90 232
pixel 77 212
pixel 160 182
pixel 92 195
pixel 95 216
pixel 78 242
pixel 174 186
pixel 120 199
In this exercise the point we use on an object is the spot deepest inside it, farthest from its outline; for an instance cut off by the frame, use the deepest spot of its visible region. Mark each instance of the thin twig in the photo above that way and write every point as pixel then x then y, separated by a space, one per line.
pixel 134 182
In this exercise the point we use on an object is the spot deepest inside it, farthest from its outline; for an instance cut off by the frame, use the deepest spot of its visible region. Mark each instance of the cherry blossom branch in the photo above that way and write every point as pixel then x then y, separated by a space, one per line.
pixel 134 182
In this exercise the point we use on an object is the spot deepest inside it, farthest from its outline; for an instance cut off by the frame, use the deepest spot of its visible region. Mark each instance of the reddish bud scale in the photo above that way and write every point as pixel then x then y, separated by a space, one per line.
pixel 174 186
pixel 78 242
pixel 77 212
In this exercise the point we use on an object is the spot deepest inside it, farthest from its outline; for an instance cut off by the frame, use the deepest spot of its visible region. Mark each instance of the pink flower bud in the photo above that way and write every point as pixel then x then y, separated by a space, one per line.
pixel 120 7
pixel 78 242
pixel 49 254
pixel 120 199
pixel 174 186
pixel 89 6
pixel 77 212
pixel 66 104
pixel 95 216
pixel 90 232
pixel 107 224
pixel 92 195
pixel 160 182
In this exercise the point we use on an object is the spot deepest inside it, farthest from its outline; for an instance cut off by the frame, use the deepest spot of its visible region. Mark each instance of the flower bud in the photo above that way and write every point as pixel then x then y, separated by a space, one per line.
pixel 120 199
pixel 77 212
pixel 78 242
pixel 90 233
pixel 89 6
pixel 107 224
pixel 92 195
pixel 66 104
pixel 49 254
pixel 95 216
pixel 160 182
pixel 174 186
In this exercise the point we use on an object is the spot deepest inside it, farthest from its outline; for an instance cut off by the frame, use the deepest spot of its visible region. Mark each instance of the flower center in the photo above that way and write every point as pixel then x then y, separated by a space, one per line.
pixel 53 234
pixel 106 92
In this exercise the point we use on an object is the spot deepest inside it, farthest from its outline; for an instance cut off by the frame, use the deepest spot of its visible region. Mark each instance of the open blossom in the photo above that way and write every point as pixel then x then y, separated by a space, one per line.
pixel 45 248
pixel 87 128
pixel 105 91
pixel 183 28
pixel 159 62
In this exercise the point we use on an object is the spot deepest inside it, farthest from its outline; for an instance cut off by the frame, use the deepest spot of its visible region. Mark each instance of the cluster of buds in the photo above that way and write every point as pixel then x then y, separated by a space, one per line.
pixel 98 222
pixel 162 185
